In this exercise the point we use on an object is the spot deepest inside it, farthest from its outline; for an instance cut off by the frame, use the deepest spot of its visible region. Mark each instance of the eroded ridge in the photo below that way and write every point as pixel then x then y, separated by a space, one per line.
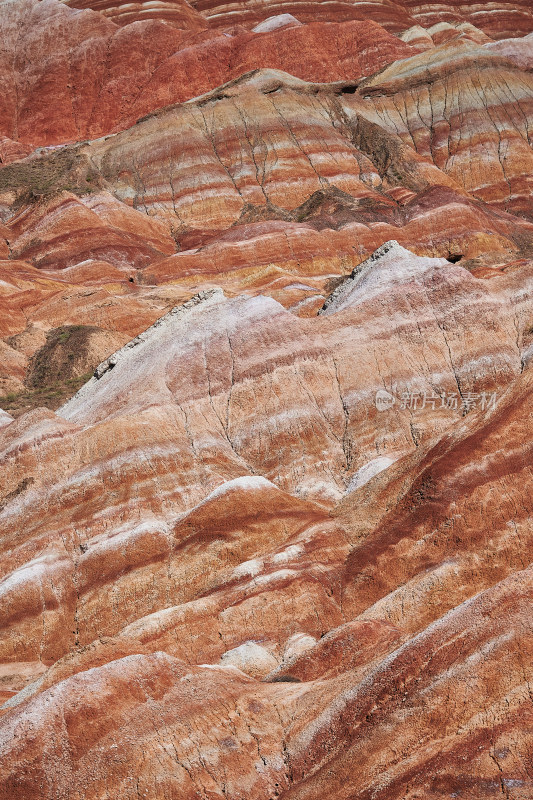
pixel 278 544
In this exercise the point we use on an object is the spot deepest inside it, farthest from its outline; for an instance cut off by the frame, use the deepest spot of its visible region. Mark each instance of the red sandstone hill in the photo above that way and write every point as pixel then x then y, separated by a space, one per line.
pixel 266 336
pixel 498 19
pixel 96 77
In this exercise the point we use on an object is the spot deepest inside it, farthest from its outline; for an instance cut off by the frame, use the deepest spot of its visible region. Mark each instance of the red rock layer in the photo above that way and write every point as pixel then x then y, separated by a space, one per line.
pixel 498 19
pixel 178 13
pixel 102 229
pixel 466 110
pixel 390 131
pixel 12 151
pixel 266 255
pixel 217 392
pixel 414 543
pixel 270 184
pixel 280 544
pixel 444 500
pixel 97 77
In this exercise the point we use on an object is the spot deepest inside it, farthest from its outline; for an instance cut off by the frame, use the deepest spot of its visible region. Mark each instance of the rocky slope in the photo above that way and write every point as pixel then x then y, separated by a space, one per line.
pixel 498 19
pixel 266 327
pixel 99 77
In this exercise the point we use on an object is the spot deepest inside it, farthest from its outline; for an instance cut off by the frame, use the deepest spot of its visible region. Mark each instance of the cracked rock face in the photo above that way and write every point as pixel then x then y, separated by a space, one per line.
pixel 103 72
pixel 266 336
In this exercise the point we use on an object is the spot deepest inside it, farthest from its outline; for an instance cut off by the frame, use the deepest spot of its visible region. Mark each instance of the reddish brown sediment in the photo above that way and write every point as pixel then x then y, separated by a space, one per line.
pixel 266 336
pixel 69 75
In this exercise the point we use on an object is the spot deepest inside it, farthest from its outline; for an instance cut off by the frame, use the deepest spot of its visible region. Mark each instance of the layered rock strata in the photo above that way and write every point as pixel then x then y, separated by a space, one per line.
pixel 269 268
pixel 398 552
